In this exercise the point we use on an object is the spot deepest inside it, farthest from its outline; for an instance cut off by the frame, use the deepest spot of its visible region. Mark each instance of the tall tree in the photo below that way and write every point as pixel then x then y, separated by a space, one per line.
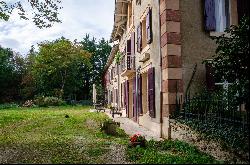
pixel 11 70
pixel 44 12
pixel 100 52
pixel 58 68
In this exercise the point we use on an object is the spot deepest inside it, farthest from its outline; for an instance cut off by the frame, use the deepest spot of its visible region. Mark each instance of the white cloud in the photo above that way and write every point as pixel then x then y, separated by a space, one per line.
pixel 78 18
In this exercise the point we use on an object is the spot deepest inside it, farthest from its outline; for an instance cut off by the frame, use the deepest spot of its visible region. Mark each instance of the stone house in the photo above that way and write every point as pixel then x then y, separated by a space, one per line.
pixel 163 44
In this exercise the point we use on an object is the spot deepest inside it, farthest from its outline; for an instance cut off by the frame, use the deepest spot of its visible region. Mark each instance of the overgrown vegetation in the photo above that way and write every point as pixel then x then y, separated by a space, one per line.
pixel 168 152
pixel 231 60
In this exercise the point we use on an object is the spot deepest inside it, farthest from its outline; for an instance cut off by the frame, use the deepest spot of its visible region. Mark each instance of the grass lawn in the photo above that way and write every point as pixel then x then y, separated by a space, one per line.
pixel 45 135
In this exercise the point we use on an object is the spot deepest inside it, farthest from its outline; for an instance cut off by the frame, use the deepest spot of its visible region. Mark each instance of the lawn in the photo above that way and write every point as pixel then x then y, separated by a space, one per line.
pixel 46 135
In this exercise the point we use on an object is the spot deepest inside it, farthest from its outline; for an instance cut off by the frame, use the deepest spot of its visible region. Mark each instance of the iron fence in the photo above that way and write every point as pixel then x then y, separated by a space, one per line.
pixel 213 107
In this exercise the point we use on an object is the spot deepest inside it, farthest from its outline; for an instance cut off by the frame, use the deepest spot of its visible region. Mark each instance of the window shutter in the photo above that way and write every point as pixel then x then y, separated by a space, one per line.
pixel 210 21
pixel 134 97
pixel 210 80
pixel 151 92
pixel 149 26
pixel 140 94
pixel 139 38
pixel 127 97
pixel 133 43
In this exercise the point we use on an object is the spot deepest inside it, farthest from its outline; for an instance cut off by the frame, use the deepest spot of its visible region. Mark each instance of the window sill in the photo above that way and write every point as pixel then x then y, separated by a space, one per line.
pixel 217 34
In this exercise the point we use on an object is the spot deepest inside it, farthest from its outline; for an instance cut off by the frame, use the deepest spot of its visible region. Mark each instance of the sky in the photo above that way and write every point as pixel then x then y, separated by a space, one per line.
pixel 78 17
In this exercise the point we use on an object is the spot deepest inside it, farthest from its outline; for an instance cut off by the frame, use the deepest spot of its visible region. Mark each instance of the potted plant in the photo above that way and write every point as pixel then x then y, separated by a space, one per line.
pixel 137 140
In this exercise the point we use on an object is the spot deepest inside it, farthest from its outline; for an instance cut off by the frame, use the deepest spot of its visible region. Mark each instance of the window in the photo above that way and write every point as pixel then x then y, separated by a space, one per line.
pixel 220 14
pixel 144 31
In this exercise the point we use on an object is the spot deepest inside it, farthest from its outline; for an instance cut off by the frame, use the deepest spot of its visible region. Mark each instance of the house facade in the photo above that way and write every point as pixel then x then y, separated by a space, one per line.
pixel 158 53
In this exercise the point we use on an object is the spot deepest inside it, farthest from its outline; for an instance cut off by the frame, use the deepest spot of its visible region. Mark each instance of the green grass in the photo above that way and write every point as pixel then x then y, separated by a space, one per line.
pixel 169 152
pixel 45 135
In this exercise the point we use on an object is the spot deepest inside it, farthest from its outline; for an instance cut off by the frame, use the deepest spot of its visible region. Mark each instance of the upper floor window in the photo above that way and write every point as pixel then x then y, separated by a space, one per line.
pixel 144 31
pixel 220 14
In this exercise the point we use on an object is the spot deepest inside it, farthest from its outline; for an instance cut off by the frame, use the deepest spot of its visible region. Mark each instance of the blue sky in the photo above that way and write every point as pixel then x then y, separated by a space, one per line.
pixel 78 18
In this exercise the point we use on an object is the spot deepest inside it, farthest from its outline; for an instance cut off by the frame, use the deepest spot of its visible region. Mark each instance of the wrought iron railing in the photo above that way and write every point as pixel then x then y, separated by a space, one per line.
pixel 128 63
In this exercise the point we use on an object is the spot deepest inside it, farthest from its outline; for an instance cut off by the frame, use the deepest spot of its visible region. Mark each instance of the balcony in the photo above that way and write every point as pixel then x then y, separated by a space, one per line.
pixel 127 65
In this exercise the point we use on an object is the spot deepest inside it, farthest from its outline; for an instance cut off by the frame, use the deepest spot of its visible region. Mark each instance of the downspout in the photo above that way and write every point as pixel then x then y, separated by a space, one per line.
pixel 161 94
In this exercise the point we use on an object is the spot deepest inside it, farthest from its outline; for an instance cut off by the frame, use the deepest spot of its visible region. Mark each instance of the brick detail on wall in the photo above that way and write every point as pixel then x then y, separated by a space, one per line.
pixel 171 62
pixel 170 38
pixel 170 15
pixel 172 82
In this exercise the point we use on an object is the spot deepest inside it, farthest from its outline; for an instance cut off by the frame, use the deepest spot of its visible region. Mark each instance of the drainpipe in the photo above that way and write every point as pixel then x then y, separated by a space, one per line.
pixel 136 92
pixel 161 94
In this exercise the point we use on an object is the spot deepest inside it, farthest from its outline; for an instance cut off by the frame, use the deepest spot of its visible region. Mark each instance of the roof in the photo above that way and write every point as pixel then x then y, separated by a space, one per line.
pixel 120 19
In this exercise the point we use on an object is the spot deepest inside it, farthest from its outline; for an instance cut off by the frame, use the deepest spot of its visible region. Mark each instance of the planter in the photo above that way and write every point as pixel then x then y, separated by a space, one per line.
pixel 135 144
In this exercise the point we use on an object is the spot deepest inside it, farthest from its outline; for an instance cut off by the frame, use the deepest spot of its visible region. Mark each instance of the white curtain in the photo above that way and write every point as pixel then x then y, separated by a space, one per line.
pixel 220 15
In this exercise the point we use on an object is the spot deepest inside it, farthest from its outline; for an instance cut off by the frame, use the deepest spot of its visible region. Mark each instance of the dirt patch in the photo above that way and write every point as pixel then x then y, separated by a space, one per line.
pixel 116 155
pixel 89 123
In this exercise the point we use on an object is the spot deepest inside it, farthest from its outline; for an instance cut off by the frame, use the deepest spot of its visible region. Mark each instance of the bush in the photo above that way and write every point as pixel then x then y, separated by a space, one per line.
pixel 110 127
pixel 48 101
pixel 8 106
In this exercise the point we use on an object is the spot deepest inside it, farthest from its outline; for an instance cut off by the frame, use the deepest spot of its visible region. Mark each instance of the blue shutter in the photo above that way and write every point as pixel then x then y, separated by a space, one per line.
pixel 210 21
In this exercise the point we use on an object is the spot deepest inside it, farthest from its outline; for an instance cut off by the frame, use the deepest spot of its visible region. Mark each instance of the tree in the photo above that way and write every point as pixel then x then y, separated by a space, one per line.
pixel 27 86
pixel 11 71
pixel 100 52
pixel 58 68
pixel 45 12
pixel 231 61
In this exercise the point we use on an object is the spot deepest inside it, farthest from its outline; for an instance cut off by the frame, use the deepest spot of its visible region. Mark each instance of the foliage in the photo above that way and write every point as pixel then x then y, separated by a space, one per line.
pixel 232 56
pixel 48 101
pixel 111 127
pixel 100 52
pixel 45 12
pixel 168 152
pixel 11 70
pixel 215 115
pixel 8 106
pixel 58 68
pixel 118 57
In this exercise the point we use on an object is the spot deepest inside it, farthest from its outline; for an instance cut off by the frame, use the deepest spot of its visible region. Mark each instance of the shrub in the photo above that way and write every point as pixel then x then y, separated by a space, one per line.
pixel 110 127
pixel 8 106
pixel 48 101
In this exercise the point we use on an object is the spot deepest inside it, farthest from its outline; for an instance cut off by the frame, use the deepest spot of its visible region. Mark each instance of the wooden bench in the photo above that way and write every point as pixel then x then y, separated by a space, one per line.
pixel 114 110
pixel 99 107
